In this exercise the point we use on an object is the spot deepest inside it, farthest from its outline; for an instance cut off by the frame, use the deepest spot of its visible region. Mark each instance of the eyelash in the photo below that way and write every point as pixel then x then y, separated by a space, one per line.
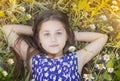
pixel 46 34
pixel 58 33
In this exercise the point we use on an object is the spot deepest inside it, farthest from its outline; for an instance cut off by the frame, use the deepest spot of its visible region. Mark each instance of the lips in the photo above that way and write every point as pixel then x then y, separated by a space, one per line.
pixel 54 45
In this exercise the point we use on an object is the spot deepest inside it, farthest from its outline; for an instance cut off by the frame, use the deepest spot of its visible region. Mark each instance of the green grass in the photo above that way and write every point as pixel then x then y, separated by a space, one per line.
pixel 82 13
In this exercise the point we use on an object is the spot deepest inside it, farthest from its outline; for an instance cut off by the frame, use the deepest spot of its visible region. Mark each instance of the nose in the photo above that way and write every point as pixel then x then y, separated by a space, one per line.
pixel 53 38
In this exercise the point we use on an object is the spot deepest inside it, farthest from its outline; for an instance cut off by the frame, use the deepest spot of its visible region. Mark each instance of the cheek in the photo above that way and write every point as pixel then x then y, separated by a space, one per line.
pixel 63 42
pixel 44 45
pixel 43 42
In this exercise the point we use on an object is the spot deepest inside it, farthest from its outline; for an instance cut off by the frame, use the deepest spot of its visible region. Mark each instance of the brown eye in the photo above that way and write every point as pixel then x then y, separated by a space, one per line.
pixel 59 33
pixel 46 34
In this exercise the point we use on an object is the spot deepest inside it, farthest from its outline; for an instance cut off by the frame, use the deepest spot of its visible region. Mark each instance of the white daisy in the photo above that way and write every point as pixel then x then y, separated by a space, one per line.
pixel 88 77
pixel 110 70
pixel 4 73
pixel 103 17
pixel 92 26
pixel 100 66
pixel 106 57
pixel 71 48
pixel 110 28
pixel 10 61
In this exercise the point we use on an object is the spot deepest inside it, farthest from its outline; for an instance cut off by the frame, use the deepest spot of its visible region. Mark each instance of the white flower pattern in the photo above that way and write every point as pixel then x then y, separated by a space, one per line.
pixel 63 69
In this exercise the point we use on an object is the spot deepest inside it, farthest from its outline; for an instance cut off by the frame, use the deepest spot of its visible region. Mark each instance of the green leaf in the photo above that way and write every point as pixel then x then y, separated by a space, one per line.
pixel 110 63
pixel 1 69
pixel 107 76
pixel 117 73
pixel 27 78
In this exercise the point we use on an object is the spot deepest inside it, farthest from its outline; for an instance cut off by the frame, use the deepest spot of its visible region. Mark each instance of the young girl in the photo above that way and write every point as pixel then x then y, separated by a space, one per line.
pixel 47 54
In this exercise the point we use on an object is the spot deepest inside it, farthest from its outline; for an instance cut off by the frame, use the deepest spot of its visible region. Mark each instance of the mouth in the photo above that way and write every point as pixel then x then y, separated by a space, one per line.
pixel 54 45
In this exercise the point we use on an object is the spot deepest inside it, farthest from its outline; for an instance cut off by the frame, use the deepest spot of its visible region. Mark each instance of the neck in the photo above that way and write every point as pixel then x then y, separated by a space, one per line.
pixel 55 56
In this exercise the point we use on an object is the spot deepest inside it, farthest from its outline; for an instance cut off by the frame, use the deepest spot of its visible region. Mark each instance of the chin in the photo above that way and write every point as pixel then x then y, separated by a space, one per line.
pixel 54 53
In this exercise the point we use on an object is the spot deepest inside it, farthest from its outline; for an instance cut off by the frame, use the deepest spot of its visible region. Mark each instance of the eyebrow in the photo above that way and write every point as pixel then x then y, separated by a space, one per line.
pixel 56 30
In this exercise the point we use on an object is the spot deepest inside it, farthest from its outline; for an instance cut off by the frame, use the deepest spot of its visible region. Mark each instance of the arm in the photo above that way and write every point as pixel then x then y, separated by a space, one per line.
pixel 18 29
pixel 12 32
pixel 97 41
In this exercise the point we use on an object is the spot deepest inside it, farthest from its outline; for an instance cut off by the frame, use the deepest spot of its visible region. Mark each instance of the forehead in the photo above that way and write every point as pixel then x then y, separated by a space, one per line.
pixel 52 25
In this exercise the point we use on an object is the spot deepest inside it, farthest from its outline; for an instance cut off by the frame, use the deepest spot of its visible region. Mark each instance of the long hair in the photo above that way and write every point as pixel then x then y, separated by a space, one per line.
pixel 40 18
pixel 52 15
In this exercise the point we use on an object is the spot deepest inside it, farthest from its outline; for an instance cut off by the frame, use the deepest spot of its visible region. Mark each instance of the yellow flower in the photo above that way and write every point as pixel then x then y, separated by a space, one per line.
pixel 71 48
pixel 110 70
pixel 10 61
pixel 88 77
pixel 4 73
pixel 100 66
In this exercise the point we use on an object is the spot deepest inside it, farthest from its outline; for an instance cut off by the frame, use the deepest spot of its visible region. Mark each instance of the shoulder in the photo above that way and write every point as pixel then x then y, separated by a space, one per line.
pixel 35 59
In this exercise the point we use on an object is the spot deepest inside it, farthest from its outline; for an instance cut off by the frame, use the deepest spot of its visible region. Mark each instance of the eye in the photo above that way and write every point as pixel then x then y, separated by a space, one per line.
pixel 59 33
pixel 46 34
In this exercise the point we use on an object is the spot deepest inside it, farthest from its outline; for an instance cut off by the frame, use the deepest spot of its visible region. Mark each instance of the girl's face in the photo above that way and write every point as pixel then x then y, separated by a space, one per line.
pixel 53 37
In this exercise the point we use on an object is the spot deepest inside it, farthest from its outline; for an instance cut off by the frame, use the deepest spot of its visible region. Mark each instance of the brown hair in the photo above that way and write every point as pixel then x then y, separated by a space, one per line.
pixel 33 42
pixel 52 15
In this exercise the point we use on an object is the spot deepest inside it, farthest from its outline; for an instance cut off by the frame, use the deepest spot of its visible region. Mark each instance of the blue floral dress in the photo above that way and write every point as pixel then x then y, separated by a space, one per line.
pixel 63 69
